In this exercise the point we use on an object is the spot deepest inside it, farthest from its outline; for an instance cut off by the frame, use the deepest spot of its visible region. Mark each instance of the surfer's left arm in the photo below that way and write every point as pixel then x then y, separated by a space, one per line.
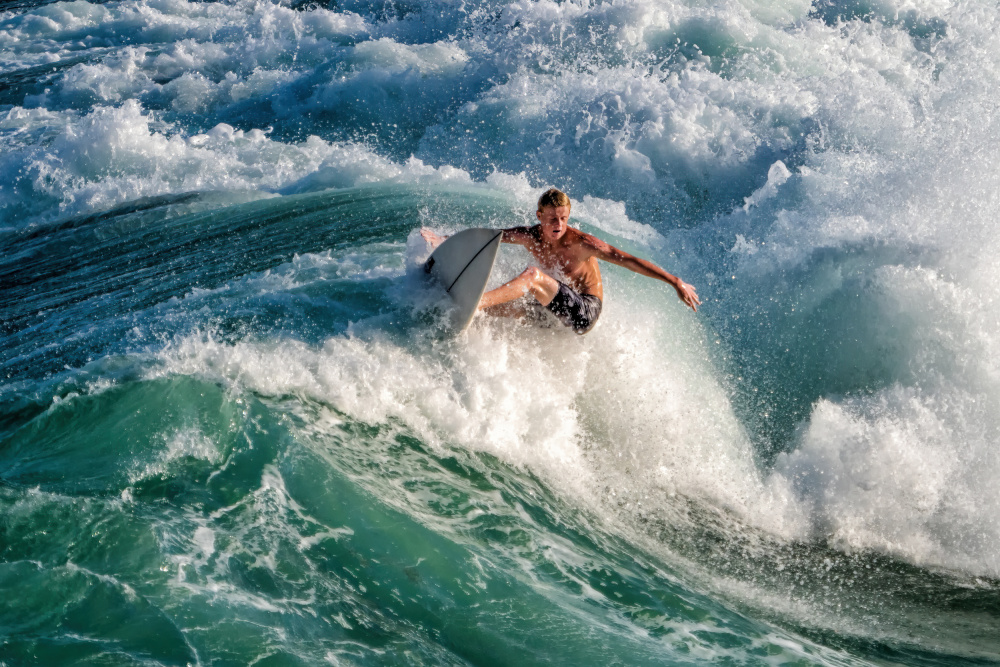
pixel 607 252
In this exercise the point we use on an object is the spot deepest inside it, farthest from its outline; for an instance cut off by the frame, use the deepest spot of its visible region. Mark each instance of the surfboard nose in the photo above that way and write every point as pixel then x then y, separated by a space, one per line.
pixel 462 264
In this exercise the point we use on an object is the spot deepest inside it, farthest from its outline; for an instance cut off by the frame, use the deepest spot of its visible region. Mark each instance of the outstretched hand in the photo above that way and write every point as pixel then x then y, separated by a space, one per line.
pixel 688 295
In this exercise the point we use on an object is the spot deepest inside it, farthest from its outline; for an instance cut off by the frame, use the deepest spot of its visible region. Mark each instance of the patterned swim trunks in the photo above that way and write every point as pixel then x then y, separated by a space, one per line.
pixel 579 311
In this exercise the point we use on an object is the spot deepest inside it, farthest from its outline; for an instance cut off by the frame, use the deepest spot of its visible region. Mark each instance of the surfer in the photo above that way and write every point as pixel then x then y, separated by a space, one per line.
pixel 567 281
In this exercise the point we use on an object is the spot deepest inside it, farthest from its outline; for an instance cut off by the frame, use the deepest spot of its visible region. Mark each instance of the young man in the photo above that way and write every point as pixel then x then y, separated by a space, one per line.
pixel 569 281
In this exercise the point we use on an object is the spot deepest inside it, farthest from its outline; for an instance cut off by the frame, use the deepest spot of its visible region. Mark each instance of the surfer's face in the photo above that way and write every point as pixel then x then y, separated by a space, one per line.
pixel 554 221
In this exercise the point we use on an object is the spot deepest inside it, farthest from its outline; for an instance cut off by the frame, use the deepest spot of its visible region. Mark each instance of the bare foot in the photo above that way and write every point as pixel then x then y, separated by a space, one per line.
pixel 432 237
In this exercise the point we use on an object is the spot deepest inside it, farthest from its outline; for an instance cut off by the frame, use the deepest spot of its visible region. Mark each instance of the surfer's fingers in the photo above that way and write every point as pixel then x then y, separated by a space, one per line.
pixel 692 293
pixel 432 237
pixel 689 296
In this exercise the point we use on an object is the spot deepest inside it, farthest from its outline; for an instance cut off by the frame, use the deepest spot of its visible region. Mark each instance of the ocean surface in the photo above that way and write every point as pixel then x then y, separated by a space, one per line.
pixel 233 430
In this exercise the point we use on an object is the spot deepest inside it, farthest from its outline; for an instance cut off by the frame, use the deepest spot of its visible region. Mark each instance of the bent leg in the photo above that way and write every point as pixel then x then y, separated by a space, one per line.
pixel 514 309
pixel 531 281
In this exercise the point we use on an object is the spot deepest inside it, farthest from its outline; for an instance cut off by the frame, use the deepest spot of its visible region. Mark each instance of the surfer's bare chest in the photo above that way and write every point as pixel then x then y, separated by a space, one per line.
pixel 570 263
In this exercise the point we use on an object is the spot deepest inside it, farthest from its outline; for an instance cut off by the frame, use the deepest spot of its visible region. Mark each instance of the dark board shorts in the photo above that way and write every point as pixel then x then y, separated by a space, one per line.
pixel 575 310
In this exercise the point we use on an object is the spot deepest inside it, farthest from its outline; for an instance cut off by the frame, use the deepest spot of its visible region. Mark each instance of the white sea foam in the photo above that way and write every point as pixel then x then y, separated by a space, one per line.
pixel 901 472
pixel 630 110
pixel 884 255
pixel 630 410
pixel 826 172
pixel 114 155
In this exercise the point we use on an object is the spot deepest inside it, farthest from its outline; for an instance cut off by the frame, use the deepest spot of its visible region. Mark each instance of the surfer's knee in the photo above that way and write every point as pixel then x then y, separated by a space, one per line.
pixel 528 280
pixel 531 273
pixel 539 284
pixel 544 280
pixel 535 276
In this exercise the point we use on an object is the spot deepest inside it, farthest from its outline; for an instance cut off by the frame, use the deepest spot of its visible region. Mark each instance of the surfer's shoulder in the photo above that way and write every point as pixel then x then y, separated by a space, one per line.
pixel 589 241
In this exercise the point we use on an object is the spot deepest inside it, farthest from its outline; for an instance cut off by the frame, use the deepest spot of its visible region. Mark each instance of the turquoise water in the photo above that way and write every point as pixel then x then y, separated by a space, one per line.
pixel 232 430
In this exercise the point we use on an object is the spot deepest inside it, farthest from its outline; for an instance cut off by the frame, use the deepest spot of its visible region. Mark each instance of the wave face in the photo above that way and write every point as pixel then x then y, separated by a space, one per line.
pixel 231 430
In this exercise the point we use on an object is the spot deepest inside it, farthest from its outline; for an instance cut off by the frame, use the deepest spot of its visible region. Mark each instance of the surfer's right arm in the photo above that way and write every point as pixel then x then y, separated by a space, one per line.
pixel 518 236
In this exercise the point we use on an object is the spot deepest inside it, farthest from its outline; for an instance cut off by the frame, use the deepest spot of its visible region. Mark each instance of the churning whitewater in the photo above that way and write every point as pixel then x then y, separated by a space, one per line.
pixel 233 430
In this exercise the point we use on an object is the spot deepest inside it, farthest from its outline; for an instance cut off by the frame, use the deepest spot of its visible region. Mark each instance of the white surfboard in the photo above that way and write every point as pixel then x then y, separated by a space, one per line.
pixel 462 264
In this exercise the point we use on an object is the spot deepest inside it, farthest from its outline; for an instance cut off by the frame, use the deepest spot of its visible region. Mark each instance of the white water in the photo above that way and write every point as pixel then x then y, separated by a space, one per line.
pixel 829 183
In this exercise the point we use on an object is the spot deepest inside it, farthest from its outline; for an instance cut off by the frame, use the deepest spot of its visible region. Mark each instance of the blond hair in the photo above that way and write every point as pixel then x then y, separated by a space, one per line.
pixel 553 197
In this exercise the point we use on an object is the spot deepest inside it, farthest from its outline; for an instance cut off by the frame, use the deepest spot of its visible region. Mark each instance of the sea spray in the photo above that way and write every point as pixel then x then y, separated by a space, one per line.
pixel 222 417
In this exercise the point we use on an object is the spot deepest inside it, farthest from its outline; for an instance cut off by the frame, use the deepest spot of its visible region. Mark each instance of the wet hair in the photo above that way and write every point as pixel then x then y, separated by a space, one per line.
pixel 553 197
